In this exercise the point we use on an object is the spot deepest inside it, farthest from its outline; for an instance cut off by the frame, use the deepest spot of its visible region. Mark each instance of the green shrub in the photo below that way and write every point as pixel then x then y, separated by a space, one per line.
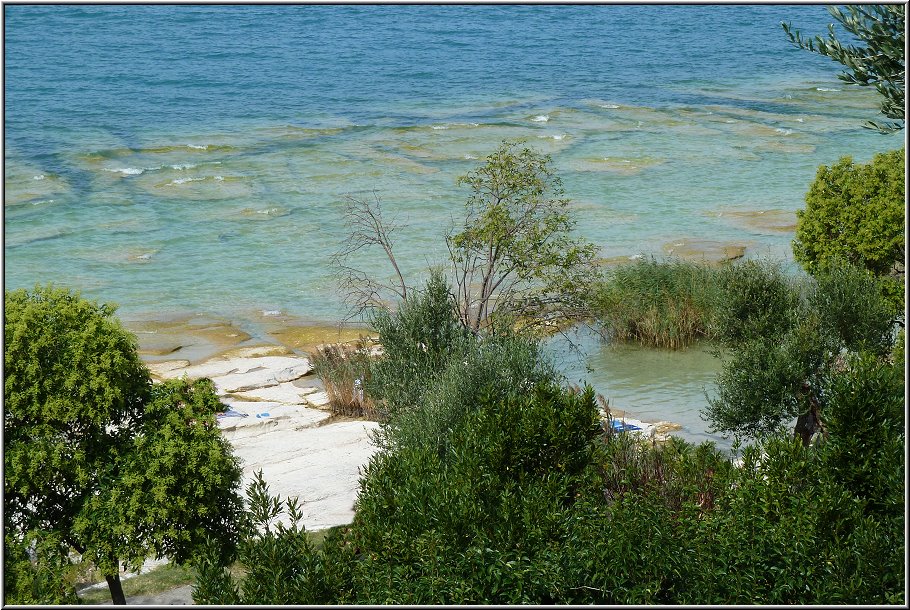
pixel 471 522
pixel 417 340
pixel 496 365
pixel 433 371
pixel 865 421
pixel 279 564
pixel 659 303
pixel 851 307
pixel 786 338
pixel 856 213
pixel 757 300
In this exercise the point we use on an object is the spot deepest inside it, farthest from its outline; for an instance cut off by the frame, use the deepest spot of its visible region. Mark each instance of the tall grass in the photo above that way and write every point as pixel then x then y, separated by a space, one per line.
pixel 656 303
pixel 344 370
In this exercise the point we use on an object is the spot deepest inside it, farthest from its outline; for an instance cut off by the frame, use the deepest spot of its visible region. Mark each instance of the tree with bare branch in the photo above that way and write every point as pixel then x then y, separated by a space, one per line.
pixel 514 261
pixel 368 230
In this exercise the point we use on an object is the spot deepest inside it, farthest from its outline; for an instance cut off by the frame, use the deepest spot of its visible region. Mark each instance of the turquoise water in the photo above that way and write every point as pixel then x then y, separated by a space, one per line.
pixel 196 158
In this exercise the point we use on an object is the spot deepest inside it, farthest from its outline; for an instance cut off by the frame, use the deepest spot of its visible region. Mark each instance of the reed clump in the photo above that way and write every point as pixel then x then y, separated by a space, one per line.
pixel 344 369
pixel 660 303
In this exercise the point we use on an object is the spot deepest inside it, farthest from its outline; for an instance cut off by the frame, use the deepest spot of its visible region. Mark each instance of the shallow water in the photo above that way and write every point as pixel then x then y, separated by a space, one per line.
pixel 648 384
pixel 195 159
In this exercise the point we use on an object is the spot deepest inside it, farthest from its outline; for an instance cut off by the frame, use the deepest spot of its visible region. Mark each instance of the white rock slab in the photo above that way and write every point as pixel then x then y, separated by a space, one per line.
pixel 319 399
pixel 318 465
pixel 281 368
pixel 286 393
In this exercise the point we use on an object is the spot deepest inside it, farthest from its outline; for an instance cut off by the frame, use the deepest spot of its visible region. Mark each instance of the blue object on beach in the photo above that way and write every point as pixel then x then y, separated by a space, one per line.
pixel 620 426
pixel 231 413
pixel 262 415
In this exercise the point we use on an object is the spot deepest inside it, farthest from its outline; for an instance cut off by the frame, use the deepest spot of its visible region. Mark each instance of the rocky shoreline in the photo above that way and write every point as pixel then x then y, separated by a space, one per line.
pixel 278 421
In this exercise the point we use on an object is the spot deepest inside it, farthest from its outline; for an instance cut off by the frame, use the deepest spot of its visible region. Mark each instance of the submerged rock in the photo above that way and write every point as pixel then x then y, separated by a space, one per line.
pixel 705 250
pixel 307 338
pixel 762 221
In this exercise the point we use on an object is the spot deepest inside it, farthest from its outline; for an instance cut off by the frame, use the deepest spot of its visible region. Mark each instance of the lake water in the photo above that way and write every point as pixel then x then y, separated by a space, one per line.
pixel 195 159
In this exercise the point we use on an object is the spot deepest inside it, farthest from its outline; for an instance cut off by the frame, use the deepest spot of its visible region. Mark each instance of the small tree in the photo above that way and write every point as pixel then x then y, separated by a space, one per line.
pixel 514 257
pixel 514 260
pixel 879 64
pixel 97 457
pixel 856 212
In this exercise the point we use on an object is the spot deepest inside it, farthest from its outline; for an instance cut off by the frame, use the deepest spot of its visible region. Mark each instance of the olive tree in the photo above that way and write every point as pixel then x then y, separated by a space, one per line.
pixel 786 340
pixel 98 458
pixel 879 63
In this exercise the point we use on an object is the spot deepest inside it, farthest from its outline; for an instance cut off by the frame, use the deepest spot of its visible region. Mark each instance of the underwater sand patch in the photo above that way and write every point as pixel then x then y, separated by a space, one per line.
pixel 626 166
pixel 32 187
pixel 307 338
pixel 787 147
pixel 763 221
pixel 187 338
pixel 705 250
pixel 264 213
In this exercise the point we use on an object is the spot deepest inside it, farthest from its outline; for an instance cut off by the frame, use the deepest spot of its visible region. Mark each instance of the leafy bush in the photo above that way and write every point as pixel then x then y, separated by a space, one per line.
pixel 757 300
pixel 492 501
pixel 433 371
pixel 785 340
pixel 850 307
pixel 96 459
pixel 865 417
pixel 659 303
pixel 856 213
pixel 279 563
pixel 418 339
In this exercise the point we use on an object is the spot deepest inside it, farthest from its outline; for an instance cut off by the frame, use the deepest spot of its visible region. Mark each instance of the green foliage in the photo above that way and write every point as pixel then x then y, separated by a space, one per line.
pixel 418 339
pixel 659 303
pixel 879 63
pixel 531 503
pixel 851 308
pixel 786 338
pixel 475 522
pixel 765 383
pixel 433 371
pixel 279 564
pixel 865 420
pixel 96 457
pixel 897 353
pixel 70 370
pixel 494 484
pixel 36 569
pixel 515 260
pixel 757 300
pixel 175 489
pixel 856 213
